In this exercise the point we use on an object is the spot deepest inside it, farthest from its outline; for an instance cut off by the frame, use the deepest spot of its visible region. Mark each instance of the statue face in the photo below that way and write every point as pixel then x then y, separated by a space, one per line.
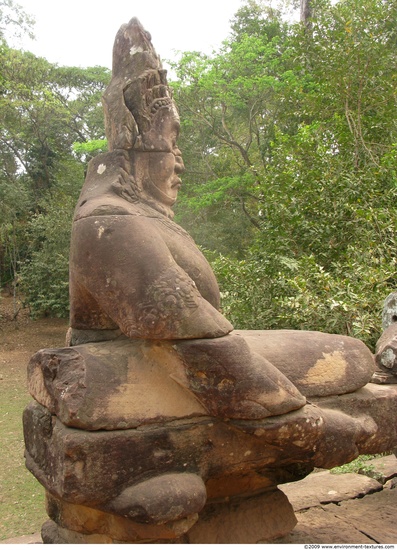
pixel 159 165
pixel 164 171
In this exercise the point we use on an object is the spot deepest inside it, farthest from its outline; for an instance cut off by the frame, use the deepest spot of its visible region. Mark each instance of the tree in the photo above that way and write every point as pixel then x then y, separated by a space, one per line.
pixel 44 274
pixel 229 107
pixel 296 125
pixel 14 21
pixel 44 111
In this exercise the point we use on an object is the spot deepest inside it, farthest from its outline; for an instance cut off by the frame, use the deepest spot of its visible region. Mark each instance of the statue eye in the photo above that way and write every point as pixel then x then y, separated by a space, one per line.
pixel 176 129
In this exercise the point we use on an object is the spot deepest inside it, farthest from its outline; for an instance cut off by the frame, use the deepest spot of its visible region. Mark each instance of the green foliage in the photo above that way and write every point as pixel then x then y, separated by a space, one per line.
pixel 89 149
pixel 44 110
pixel 204 213
pixel 13 242
pixel 292 129
pixel 44 275
pixel 358 466
pixel 276 292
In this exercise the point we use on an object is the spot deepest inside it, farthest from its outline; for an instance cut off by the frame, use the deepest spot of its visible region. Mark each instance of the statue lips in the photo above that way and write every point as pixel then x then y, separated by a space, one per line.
pixel 179 168
pixel 177 183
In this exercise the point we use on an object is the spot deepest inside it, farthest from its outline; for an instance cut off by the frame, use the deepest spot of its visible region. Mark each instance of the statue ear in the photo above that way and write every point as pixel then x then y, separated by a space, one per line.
pixel 120 124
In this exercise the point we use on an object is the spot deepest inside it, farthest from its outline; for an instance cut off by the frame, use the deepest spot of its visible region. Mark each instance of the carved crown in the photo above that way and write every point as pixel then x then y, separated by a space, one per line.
pixel 138 102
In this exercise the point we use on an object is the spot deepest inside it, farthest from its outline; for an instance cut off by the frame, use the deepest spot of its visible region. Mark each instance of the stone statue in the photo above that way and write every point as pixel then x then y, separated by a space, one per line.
pixel 134 270
pixel 386 346
pixel 132 267
pixel 159 421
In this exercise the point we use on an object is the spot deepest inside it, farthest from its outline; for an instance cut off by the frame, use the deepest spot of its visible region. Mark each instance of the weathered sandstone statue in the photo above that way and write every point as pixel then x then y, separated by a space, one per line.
pixel 386 347
pixel 159 421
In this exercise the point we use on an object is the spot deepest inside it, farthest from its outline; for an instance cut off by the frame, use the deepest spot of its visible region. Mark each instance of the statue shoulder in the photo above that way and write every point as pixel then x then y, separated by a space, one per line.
pixel 109 188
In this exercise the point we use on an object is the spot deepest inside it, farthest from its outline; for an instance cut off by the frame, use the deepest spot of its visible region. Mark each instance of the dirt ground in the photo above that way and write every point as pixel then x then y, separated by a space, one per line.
pixel 21 334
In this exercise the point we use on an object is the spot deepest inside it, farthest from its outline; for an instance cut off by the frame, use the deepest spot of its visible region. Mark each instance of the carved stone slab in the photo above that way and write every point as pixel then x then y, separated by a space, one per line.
pixel 125 383
pixel 318 364
pixel 232 457
pixel 325 487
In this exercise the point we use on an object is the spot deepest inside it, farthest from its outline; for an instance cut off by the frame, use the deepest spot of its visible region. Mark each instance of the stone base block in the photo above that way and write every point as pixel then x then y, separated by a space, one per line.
pixel 257 519
pixel 76 523
pixel 51 533
pixel 260 518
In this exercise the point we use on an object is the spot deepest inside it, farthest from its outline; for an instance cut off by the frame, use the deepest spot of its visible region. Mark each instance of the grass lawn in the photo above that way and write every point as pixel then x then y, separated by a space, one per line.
pixel 22 510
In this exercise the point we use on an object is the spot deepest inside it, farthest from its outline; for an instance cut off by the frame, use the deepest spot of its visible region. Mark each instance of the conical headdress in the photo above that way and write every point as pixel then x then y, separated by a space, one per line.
pixel 138 96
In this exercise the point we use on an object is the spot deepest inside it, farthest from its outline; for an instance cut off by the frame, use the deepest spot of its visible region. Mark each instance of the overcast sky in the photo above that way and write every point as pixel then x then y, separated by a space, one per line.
pixel 82 32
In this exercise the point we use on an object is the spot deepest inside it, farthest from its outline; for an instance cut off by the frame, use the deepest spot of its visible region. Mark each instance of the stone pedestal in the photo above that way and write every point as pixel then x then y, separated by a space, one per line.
pixel 259 518
pixel 127 451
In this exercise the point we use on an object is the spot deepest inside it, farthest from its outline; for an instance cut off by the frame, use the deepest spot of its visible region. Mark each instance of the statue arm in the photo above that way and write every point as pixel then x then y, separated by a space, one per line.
pixel 125 266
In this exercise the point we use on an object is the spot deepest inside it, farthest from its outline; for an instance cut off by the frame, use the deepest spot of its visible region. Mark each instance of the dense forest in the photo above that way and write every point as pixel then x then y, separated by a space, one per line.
pixel 289 135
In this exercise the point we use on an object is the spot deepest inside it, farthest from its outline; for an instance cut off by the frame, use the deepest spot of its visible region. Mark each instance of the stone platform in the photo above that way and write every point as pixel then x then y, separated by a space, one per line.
pixel 331 509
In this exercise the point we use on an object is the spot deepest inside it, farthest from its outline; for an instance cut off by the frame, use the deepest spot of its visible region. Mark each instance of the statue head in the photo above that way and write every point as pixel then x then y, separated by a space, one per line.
pixel 141 115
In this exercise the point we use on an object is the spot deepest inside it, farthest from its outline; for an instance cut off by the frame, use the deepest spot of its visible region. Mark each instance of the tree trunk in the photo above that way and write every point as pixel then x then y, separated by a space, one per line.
pixel 306 12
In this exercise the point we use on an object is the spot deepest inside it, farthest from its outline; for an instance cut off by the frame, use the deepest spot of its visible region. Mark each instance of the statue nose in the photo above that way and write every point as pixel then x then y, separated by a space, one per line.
pixel 179 165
